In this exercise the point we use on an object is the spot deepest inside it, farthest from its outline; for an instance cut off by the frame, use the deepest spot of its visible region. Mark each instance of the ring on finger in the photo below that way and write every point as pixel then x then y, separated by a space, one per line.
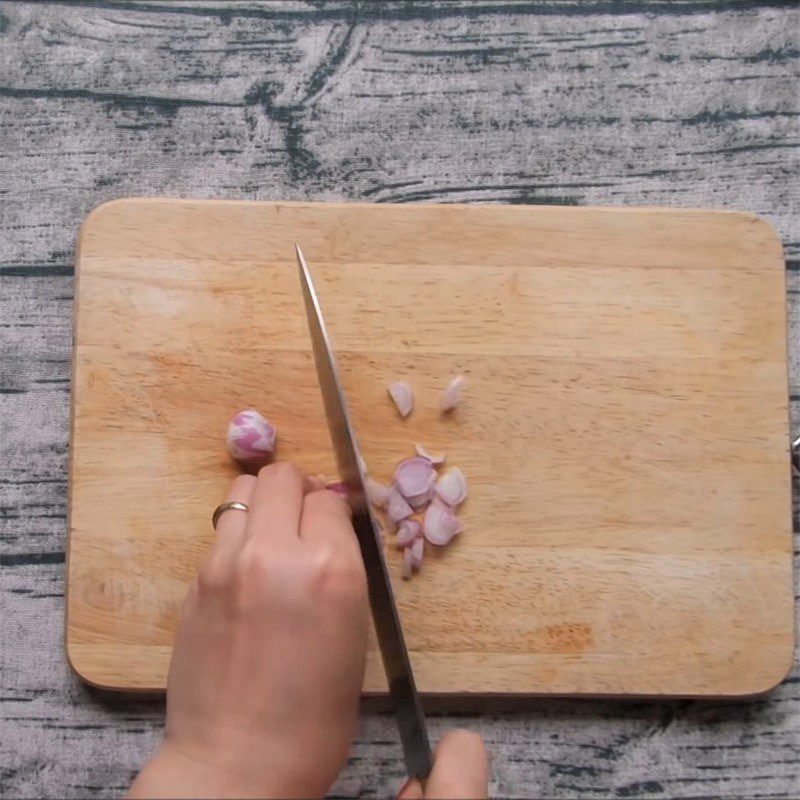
pixel 231 505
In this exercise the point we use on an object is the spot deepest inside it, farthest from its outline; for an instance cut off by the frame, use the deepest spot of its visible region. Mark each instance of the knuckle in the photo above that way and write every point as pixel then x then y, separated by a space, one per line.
pixel 334 575
pixel 252 563
pixel 212 577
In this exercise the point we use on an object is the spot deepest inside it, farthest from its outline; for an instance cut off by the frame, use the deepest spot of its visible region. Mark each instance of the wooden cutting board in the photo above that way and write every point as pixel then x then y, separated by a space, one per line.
pixel 624 434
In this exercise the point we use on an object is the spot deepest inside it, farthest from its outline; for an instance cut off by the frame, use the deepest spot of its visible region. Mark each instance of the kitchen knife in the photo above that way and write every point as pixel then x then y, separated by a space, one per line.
pixel 402 689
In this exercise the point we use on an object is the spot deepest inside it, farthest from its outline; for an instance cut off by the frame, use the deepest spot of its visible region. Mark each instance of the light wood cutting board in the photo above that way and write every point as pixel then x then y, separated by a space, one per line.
pixel 624 435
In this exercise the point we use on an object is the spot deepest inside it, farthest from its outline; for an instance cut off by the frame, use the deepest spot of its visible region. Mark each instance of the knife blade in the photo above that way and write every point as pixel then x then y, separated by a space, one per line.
pixel 396 663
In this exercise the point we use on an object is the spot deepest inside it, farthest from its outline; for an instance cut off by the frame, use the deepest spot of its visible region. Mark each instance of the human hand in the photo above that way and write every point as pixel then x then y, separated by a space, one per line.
pixel 268 661
pixel 460 771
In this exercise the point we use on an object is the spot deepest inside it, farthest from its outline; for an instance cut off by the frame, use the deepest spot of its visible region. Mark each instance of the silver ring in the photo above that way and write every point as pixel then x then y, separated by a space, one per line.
pixel 228 506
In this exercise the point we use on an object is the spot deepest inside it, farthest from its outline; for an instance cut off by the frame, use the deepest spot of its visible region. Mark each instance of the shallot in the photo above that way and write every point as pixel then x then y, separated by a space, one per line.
pixel 408 532
pixel 402 396
pixel 414 478
pixel 397 509
pixel 451 488
pixel 377 493
pixel 412 557
pixel 250 437
pixel 440 524
pixel 417 551
pixel 452 394
pixel 435 459
pixel 408 563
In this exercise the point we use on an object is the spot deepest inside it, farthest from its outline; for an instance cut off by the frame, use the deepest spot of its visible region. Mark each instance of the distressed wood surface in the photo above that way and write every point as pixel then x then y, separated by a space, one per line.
pixel 682 104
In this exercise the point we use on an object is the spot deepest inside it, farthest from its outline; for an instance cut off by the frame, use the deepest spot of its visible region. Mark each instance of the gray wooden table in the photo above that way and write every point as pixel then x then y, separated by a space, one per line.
pixel 681 104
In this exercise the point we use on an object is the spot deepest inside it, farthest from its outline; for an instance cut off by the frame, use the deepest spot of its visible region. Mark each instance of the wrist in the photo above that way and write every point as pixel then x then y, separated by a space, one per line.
pixel 176 771
pixel 172 773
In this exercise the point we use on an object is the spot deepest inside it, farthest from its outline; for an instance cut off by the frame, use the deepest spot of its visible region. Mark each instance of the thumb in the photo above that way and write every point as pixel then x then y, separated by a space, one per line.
pixel 460 771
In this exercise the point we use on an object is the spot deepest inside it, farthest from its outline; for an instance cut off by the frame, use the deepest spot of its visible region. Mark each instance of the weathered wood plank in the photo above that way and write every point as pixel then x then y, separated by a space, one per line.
pixel 686 104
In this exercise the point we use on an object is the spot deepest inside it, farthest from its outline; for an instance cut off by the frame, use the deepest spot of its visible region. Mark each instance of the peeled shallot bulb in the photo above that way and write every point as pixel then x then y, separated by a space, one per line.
pixel 250 438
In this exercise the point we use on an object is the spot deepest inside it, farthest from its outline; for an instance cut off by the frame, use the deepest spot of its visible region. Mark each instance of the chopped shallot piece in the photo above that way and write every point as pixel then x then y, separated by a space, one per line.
pixel 397 509
pixel 417 501
pixel 408 563
pixel 402 397
pixel 417 551
pixel 451 488
pixel 377 493
pixel 408 532
pixel 435 459
pixel 340 489
pixel 452 394
pixel 414 478
pixel 440 524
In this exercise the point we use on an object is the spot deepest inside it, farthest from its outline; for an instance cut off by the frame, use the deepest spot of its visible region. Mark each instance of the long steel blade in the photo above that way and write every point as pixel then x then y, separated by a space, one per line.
pixel 403 691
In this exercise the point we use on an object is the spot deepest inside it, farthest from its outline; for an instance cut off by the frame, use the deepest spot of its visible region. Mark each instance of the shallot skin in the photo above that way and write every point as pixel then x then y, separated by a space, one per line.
pixel 250 438
pixel 339 488
pixel 437 459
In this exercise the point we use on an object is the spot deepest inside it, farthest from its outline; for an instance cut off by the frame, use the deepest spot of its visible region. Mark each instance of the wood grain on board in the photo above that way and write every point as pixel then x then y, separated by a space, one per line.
pixel 624 435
